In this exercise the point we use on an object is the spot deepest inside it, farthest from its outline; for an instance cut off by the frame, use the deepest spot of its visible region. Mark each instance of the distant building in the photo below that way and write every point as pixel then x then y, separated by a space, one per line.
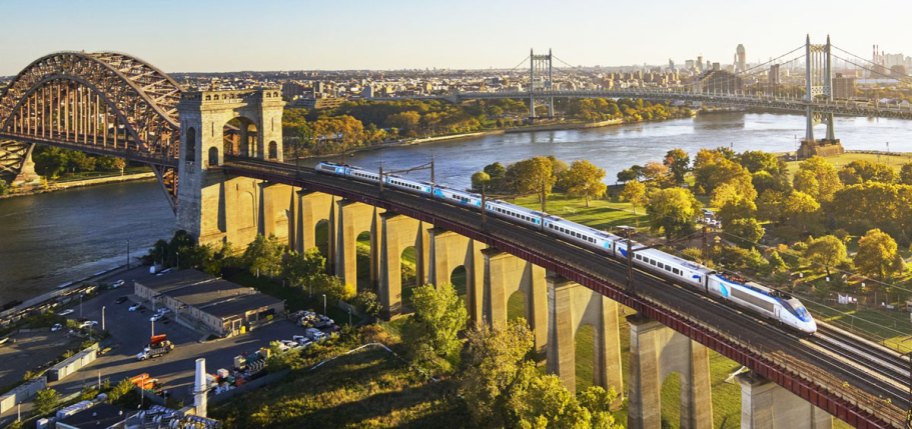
pixel 740 59
pixel 211 303
pixel 843 87
pixel 773 80
pixel 720 81
pixel 319 102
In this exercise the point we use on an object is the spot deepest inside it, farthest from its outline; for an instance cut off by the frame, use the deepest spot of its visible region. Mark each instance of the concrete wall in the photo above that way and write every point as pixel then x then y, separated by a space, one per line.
pixel 570 306
pixel 656 352
pixel 73 363
pixel 766 405
pixel 21 393
pixel 353 219
pixel 504 275
pixel 398 233
pixel 449 250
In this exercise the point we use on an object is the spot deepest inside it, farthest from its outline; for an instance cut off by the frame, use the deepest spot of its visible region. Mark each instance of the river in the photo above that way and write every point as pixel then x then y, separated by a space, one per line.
pixel 49 239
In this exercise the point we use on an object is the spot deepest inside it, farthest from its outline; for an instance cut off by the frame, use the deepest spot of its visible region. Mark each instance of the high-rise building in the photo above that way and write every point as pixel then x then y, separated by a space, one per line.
pixel 843 87
pixel 700 63
pixel 740 59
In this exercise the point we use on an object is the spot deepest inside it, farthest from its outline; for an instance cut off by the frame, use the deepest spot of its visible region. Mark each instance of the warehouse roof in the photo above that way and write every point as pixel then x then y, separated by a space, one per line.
pixel 209 294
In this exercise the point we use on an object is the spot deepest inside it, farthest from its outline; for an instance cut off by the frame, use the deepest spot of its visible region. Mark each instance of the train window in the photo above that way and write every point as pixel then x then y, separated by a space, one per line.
pixel 652 262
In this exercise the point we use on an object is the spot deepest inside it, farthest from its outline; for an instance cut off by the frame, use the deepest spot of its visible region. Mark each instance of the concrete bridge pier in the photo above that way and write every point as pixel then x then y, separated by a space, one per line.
pixel 655 352
pixel 310 209
pixel 505 274
pixel 571 305
pixel 766 405
pixel 399 232
pixel 449 250
pixel 276 206
pixel 353 218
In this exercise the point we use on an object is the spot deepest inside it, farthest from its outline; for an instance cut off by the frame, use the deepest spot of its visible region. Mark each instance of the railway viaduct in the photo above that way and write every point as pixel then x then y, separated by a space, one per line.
pixel 219 203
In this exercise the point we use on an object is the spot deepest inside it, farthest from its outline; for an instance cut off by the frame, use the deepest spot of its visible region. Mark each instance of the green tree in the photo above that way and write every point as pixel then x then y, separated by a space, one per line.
pixel 828 251
pixel 431 333
pixel 4 187
pixel 634 193
pixel 598 401
pixel 544 402
pixel 300 269
pixel 746 229
pixel 584 179
pixel 46 401
pixel 494 359
pixel 407 121
pixel 905 174
pixel 368 303
pixel 678 163
pixel 800 209
pixel 713 168
pixel 264 256
pixel 672 210
pixel 124 387
pixel 861 171
pixel 481 180
pixel 532 175
pixel 817 178
pixel 876 255
pixel 776 263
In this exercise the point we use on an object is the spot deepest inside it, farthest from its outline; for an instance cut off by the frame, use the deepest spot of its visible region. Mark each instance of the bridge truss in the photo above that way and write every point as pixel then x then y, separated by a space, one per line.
pixel 103 103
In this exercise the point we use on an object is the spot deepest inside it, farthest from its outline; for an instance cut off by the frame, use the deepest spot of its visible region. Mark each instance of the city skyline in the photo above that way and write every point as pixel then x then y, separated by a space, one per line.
pixel 211 36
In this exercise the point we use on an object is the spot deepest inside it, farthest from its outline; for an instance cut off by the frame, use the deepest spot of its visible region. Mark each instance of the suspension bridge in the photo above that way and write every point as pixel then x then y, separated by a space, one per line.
pixel 757 87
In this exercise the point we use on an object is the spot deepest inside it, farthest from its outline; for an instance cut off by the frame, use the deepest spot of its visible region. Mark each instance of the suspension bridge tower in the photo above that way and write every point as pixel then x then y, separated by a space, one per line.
pixel 819 87
pixel 540 82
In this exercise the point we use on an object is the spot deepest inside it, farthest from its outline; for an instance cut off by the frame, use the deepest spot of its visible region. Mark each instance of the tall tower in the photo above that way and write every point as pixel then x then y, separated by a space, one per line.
pixel 540 80
pixel 213 207
pixel 740 59
pixel 818 87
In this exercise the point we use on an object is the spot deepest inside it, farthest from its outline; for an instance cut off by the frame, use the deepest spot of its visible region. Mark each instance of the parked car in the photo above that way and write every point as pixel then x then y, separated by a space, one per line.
pixel 134 307
pixel 66 312
pixel 88 324
pixel 156 317
pixel 120 300
pixel 163 310
pixel 117 284
pixel 56 327
pixel 315 334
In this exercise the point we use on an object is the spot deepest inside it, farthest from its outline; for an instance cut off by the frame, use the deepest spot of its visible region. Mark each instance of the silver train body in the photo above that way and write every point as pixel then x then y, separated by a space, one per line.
pixel 750 296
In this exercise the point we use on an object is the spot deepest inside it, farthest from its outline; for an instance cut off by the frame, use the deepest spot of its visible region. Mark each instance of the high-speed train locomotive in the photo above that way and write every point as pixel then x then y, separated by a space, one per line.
pixel 756 298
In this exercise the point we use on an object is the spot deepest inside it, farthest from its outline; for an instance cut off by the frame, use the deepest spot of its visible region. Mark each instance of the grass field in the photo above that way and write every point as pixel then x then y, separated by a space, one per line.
pixel 895 160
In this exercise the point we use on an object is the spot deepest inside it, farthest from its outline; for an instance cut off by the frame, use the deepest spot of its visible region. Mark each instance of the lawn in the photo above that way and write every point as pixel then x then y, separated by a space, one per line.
pixel 367 388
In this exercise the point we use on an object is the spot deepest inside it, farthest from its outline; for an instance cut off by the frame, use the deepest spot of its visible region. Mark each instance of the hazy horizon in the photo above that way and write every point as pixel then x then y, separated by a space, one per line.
pixel 209 36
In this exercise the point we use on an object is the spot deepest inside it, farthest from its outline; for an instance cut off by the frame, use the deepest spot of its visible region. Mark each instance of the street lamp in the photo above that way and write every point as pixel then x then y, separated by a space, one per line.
pixel 349 316
pixel 324 304
pixel 128 253
pixel 103 317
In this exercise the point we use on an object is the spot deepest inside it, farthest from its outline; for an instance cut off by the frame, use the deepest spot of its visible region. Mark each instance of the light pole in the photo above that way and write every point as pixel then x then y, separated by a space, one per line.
pixel 80 305
pixel 128 253
pixel 324 304
pixel 103 317
pixel 349 316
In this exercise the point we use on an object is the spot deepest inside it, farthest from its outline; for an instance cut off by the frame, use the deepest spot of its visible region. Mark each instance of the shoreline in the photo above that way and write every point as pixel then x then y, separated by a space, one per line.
pixel 523 129
pixel 29 190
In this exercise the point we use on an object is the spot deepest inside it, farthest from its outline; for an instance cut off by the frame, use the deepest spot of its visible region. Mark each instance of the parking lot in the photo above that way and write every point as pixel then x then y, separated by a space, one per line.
pixel 130 332
pixel 27 350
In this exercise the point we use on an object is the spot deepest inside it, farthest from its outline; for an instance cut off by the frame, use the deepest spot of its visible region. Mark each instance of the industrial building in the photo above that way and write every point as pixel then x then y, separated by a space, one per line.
pixel 210 303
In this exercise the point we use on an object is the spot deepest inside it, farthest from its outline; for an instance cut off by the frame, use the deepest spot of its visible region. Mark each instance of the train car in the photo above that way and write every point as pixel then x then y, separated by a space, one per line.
pixel 589 237
pixel 458 197
pixel 760 299
pixel 672 266
pixel 333 168
pixel 408 184
pixel 515 213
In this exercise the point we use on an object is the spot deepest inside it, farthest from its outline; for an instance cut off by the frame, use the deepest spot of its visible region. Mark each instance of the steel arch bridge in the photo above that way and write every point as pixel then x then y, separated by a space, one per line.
pixel 101 102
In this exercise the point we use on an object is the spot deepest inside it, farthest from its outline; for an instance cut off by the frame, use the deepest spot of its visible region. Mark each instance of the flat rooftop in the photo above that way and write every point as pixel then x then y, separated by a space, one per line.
pixel 212 295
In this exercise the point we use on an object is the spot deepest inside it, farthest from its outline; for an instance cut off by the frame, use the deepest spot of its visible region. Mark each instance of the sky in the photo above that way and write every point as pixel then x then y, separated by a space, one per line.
pixel 230 35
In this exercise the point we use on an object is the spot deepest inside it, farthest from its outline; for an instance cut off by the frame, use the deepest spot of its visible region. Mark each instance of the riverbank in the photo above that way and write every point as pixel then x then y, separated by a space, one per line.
pixel 61 186
pixel 561 126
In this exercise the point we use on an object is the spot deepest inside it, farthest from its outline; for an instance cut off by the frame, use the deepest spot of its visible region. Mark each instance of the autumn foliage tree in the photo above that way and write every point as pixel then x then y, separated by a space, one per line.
pixel 583 179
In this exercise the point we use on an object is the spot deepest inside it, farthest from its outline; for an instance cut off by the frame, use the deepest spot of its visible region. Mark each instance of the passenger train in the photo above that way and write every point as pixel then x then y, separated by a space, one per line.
pixel 759 299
